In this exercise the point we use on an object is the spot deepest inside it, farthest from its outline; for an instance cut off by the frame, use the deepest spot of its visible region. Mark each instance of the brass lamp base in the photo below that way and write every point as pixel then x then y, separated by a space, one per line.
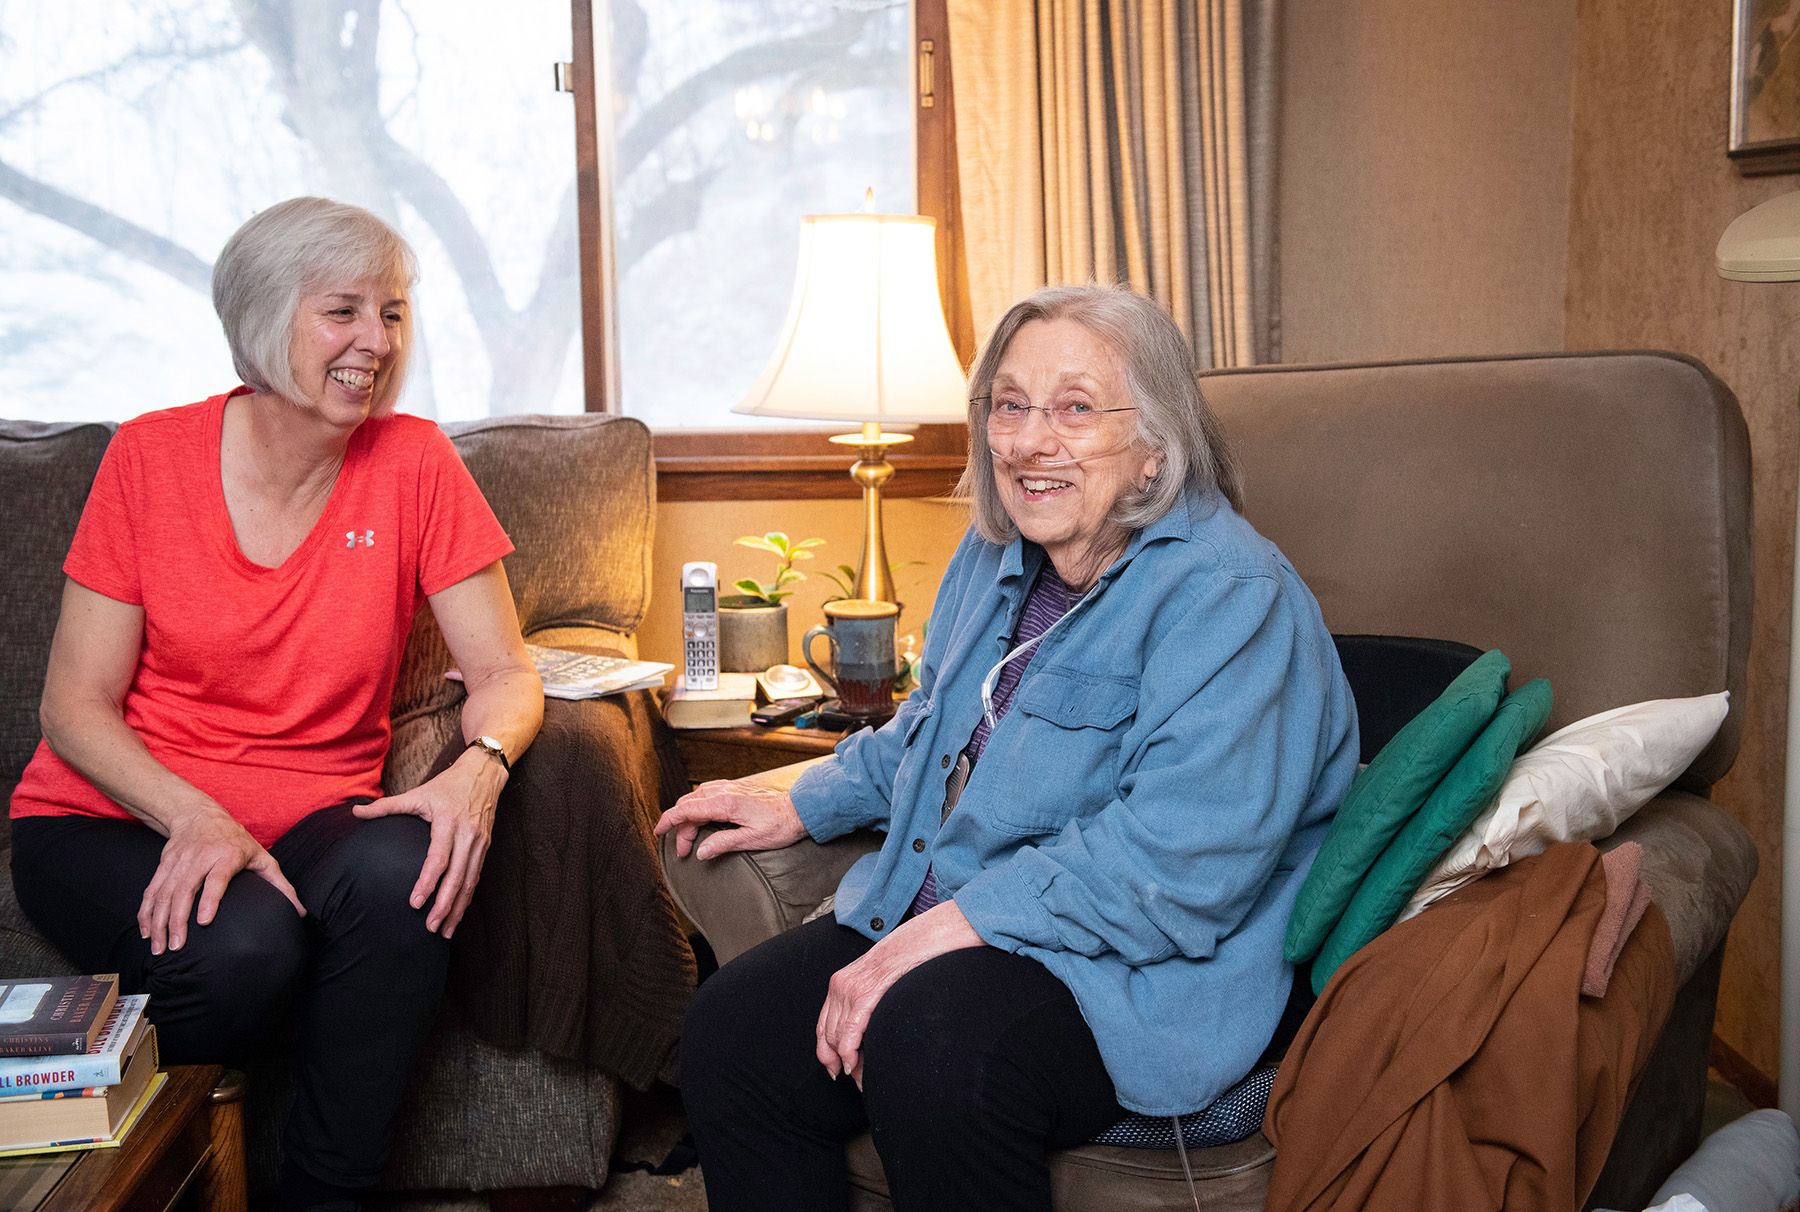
pixel 874 581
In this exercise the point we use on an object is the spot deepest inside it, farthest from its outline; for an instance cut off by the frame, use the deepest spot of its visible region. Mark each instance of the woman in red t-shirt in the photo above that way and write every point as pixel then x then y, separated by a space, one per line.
pixel 205 813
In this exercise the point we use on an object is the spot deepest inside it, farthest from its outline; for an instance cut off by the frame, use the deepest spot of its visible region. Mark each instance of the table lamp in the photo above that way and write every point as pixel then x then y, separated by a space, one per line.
pixel 865 341
pixel 1763 245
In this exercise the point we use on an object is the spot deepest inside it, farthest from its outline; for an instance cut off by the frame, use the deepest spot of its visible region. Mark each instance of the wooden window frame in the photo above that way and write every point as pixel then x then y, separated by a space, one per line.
pixel 776 464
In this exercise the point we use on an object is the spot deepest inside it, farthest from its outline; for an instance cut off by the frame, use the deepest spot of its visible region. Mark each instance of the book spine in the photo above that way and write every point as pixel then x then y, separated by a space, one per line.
pixel 45 1043
pixel 58 1073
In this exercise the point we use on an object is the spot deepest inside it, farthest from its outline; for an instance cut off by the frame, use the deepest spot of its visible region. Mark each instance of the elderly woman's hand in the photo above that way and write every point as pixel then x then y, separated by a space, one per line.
pixel 856 989
pixel 764 816
pixel 204 851
pixel 459 806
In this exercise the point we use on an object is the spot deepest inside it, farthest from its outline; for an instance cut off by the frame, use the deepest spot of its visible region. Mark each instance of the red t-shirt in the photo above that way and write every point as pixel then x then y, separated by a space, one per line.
pixel 266 688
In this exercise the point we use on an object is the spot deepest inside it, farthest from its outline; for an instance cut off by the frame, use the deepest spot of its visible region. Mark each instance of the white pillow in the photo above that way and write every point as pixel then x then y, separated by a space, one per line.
pixel 1577 785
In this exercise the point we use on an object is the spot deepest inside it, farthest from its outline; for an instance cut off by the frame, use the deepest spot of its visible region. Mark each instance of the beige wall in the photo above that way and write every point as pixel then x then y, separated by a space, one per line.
pixel 1652 191
pixel 926 531
pixel 1424 177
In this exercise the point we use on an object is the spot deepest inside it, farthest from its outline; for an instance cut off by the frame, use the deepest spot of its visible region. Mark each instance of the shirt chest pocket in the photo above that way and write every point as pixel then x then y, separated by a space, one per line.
pixel 1063 750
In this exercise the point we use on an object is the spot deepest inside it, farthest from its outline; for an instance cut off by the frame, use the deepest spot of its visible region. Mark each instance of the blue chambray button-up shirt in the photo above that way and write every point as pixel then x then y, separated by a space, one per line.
pixel 1142 818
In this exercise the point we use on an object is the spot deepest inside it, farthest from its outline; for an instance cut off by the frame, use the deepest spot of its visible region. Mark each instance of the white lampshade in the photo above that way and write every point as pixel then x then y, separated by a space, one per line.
pixel 1763 243
pixel 864 338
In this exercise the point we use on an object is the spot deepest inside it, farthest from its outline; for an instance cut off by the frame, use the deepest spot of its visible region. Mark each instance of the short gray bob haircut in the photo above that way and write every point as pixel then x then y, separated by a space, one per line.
pixel 1173 420
pixel 289 250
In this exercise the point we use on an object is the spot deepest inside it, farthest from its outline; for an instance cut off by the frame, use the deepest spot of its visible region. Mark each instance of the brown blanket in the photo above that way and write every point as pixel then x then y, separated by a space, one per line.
pixel 572 945
pixel 1453 1064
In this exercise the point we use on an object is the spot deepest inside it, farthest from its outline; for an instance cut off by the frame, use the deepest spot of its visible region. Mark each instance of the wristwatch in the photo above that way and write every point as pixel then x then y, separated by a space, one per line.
pixel 493 749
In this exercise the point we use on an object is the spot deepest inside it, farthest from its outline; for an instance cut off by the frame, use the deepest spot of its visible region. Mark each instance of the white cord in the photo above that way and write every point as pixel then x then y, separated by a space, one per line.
pixel 987 683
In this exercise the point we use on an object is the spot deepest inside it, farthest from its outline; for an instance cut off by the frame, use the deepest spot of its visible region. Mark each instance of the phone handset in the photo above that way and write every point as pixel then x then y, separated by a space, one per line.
pixel 700 625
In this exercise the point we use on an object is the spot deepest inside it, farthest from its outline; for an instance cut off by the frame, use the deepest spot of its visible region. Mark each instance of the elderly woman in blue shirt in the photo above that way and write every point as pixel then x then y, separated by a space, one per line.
pixel 1130 734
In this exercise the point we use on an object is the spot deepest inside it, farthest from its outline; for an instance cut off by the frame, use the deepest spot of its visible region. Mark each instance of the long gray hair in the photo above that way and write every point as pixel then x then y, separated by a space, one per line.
pixel 1174 423
pixel 282 253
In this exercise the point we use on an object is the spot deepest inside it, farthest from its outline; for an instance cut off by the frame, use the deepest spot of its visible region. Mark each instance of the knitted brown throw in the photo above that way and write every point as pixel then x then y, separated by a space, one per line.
pixel 571 945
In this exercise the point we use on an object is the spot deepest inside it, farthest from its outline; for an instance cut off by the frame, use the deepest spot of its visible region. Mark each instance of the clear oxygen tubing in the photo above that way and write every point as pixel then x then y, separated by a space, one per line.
pixel 993 675
pixel 1181 1149
pixel 1034 464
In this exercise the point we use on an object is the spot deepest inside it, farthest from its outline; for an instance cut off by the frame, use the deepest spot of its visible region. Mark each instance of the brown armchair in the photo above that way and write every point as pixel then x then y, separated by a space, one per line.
pixel 1588 514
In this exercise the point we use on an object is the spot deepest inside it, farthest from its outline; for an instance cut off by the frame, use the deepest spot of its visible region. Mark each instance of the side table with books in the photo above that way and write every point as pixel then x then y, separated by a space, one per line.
pixel 90 1120
pixel 191 1137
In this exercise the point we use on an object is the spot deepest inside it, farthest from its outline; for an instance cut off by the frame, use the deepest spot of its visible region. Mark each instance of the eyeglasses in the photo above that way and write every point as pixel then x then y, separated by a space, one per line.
pixel 1072 419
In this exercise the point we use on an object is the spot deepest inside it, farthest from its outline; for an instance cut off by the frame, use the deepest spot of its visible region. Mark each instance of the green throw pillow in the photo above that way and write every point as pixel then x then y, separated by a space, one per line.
pixel 1387 793
pixel 1464 795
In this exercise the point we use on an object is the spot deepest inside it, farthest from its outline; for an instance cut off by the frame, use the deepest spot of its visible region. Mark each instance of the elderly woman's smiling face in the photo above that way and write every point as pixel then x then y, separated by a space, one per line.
pixel 1061 364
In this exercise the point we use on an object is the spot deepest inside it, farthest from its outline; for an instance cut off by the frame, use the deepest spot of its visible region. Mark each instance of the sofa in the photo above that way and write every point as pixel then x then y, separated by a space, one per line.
pixel 515 1092
pixel 1589 515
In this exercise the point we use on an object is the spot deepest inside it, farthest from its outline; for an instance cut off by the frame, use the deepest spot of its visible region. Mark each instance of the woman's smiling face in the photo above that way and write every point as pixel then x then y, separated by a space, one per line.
pixel 1066 510
pixel 344 337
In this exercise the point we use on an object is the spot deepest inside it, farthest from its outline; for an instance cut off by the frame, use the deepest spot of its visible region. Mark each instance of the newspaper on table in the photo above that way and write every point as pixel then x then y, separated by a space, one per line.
pixel 581 675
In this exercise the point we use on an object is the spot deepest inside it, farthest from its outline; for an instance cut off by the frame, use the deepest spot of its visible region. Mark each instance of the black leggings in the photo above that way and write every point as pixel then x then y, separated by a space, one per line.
pixel 975 1064
pixel 366 975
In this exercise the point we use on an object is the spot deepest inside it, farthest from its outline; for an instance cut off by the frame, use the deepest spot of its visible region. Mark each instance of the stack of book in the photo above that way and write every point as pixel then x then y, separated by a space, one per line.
pixel 78 1063
pixel 727 707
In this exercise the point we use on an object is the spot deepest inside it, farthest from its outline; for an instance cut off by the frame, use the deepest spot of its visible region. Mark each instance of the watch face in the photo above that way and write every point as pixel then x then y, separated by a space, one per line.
pixel 494 748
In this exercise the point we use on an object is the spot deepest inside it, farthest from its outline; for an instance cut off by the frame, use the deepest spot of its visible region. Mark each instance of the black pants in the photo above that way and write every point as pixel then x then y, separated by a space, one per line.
pixel 975 1064
pixel 361 969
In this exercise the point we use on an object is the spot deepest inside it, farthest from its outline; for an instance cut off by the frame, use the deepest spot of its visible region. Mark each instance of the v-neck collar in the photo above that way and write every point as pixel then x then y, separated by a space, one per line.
pixel 324 525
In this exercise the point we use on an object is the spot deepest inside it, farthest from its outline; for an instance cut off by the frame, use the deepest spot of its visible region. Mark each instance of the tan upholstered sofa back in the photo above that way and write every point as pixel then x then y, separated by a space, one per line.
pixel 1588 514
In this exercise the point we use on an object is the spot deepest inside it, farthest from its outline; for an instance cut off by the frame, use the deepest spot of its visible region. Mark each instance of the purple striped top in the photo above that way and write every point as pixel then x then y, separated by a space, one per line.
pixel 1049 600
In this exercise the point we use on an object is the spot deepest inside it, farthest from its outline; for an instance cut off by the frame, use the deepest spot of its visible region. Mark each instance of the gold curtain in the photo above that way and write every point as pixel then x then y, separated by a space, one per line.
pixel 1122 141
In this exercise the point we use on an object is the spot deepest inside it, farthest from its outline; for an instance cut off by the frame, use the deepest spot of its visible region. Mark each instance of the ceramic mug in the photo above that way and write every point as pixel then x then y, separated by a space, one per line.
pixel 861 635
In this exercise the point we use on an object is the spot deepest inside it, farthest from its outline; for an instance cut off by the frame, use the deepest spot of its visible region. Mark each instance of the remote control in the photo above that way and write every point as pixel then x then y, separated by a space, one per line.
pixel 783 710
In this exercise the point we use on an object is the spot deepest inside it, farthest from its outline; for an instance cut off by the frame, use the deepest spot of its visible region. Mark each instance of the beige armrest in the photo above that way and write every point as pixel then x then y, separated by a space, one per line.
pixel 1698 861
pixel 783 777
pixel 742 898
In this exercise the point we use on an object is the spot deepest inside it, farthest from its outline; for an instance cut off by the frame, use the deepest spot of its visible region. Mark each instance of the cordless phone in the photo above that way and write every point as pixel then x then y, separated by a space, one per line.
pixel 700 625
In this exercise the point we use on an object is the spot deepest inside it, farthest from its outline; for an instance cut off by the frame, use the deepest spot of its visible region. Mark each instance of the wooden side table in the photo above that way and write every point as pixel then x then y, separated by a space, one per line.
pixel 732 753
pixel 192 1135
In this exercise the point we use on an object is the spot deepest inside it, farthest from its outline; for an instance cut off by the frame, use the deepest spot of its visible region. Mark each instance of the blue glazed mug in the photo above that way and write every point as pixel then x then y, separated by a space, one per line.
pixel 861 635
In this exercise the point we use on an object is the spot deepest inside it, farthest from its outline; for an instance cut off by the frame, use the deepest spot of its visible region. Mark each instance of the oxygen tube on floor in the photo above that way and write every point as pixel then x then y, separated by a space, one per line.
pixel 1181 1149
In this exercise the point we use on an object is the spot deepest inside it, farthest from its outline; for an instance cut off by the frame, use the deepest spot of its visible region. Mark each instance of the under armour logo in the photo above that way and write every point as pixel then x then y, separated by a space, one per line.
pixel 368 539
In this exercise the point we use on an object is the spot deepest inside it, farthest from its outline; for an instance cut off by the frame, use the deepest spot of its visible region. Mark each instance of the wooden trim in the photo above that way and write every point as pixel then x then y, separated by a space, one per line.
pixel 733 753
pixel 1756 1086
pixel 593 213
pixel 934 144
pixel 782 465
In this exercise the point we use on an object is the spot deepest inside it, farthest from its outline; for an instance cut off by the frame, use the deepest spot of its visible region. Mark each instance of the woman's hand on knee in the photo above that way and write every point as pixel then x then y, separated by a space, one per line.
pixel 857 988
pixel 764 816
pixel 204 851
pixel 459 806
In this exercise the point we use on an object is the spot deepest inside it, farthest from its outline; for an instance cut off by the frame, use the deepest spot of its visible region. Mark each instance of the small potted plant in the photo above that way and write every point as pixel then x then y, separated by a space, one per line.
pixel 753 631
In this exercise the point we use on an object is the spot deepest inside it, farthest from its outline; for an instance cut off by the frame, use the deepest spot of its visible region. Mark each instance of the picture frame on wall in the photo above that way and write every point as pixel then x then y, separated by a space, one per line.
pixel 1765 86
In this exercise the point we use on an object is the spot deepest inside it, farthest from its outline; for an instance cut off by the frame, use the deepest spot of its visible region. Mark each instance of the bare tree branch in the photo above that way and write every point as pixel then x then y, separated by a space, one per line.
pixel 673 211
pixel 177 58
pixel 686 99
pixel 119 234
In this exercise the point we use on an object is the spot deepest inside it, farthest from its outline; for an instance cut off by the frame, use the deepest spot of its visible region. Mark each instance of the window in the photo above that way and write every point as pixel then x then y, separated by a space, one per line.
pixel 853 50
pixel 730 120
pixel 135 137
